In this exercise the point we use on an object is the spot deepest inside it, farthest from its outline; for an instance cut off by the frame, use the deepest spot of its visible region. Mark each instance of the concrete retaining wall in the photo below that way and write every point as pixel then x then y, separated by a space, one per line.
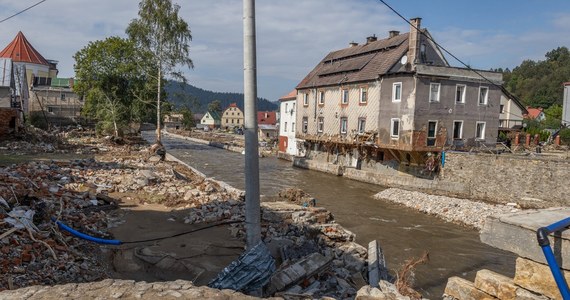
pixel 508 178
pixel 318 166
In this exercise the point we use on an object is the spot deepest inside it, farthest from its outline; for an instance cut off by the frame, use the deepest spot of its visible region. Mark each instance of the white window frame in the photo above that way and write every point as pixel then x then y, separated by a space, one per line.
pixel 321 97
pixel 305 128
pixel 432 84
pixel 363 95
pixel 486 99
pixel 394 85
pixel 392 135
pixel 320 124
pixel 462 101
pixel 480 138
pixel 305 99
pixel 345 95
pixel 460 131
pixel 343 120
pixel 361 125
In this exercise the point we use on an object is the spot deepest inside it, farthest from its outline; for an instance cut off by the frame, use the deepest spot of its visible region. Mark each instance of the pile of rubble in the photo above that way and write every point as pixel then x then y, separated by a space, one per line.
pixel 34 250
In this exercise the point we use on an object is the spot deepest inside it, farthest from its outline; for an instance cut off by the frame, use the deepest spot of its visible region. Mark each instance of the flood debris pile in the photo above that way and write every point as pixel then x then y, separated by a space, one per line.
pixel 33 250
pixel 297 196
pixel 315 256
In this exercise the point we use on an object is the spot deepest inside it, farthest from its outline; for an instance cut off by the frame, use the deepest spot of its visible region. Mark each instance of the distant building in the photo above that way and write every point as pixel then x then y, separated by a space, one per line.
pixel 511 112
pixel 535 114
pixel 232 117
pixel 566 105
pixel 287 140
pixel 266 118
pixel 211 120
pixel 173 121
pixel 37 86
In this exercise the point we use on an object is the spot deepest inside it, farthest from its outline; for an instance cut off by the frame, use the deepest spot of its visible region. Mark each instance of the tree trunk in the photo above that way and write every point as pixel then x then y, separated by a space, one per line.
pixel 158 133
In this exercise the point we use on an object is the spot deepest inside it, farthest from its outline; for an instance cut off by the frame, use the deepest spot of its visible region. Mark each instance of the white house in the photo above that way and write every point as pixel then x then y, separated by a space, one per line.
pixel 287 140
pixel 211 120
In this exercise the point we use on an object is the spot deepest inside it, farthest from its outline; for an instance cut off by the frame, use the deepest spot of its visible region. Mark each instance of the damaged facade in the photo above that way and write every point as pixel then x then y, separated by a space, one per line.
pixel 12 98
pixel 395 99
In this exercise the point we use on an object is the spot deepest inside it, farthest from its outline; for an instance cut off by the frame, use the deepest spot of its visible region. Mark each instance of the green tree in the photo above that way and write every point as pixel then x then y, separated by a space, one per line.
pixel 216 106
pixel 109 76
pixel 187 118
pixel 539 83
pixel 161 31
pixel 553 117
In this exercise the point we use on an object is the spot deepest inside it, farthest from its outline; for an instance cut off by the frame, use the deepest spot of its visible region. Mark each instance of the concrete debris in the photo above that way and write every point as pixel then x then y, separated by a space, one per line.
pixel 461 211
pixel 249 273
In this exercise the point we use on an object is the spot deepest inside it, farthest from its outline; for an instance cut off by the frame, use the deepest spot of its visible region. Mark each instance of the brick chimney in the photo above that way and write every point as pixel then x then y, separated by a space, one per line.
pixel 393 33
pixel 371 39
pixel 414 40
pixel 353 44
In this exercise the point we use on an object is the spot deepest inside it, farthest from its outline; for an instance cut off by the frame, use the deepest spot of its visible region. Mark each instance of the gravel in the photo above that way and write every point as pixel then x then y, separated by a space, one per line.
pixel 461 211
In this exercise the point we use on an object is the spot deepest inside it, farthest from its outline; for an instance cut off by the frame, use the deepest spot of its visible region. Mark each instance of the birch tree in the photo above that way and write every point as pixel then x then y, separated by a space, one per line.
pixel 160 30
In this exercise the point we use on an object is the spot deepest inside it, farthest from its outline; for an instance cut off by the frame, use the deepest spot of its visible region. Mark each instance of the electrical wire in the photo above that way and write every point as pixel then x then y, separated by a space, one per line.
pixel 451 54
pixel 22 11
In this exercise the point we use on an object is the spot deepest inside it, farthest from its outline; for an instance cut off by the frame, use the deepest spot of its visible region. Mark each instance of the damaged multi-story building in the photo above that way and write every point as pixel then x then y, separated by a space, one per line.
pixel 394 101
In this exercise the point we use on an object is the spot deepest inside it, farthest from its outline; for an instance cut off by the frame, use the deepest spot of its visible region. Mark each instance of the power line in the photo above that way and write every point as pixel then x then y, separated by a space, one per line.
pixel 22 11
pixel 450 54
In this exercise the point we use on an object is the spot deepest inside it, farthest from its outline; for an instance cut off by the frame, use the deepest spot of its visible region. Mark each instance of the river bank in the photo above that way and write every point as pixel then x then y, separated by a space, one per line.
pixel 84 193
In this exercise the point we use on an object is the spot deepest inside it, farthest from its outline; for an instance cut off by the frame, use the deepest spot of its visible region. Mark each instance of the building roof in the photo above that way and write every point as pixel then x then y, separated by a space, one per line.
pixel 266 117
pixel 233 105
pixel 215 115
pixel 357 63
pixel 533 113
pixel 20 50
pixel 515 99
pixel 291 96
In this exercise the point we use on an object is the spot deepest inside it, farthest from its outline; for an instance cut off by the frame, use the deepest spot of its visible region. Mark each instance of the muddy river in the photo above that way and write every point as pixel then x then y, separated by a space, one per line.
pixel 403 233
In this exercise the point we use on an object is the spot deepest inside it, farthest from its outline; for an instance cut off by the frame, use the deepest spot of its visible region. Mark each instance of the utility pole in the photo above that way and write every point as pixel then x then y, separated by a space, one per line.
pixel 252 210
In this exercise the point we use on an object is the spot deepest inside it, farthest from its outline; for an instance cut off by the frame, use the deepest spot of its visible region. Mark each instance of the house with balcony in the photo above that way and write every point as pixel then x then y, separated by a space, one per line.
pixel 394 101
pixel 511 112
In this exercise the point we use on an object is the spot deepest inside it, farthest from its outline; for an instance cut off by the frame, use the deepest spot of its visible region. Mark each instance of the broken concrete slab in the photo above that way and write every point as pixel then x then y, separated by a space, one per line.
pixel 376 264
pixel 308 266
pixel 517 233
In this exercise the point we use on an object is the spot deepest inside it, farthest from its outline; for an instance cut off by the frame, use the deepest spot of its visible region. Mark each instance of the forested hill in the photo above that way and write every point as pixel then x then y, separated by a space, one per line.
pixel 197 99
pixel 539 83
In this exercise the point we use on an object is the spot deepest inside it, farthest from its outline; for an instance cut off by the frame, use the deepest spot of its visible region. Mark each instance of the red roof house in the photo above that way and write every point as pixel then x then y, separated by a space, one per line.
pixel 535 114
pixel 266 117
pixel 20 50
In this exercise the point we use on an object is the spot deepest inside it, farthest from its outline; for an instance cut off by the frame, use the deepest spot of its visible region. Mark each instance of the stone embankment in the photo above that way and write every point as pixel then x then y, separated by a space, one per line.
pixel 533 279
pixel 461 211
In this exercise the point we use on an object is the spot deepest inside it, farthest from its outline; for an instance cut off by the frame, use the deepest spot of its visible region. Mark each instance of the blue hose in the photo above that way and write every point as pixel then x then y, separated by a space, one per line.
pixel 85 236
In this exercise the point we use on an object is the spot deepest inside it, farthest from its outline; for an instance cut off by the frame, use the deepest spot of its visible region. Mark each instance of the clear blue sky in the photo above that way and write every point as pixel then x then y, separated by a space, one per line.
pixel 294 35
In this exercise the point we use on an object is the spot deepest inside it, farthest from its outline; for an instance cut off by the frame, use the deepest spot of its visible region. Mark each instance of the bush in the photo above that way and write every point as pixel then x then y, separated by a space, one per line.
pixel 565 136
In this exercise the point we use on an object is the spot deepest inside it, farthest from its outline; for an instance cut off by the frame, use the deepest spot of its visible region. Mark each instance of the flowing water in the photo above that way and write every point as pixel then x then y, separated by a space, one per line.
pixel 402 232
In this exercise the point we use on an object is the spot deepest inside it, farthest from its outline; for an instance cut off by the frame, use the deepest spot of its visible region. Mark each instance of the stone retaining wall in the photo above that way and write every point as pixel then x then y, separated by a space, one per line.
pixel 508 178
pixel 532 281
